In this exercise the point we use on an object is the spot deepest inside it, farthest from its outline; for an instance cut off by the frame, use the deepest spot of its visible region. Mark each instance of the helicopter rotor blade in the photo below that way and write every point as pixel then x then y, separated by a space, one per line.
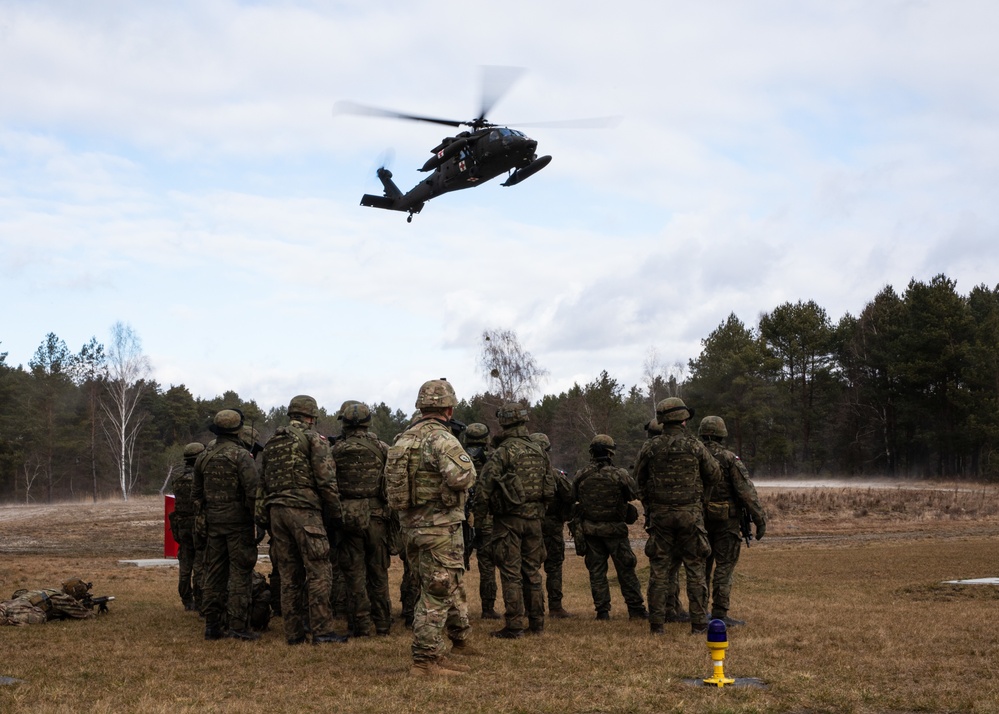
pixel 588 123
pixel 344 107
pixel 496 81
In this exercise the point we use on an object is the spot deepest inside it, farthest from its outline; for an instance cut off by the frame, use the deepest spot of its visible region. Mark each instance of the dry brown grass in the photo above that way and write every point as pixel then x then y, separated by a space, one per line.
pixel 838 623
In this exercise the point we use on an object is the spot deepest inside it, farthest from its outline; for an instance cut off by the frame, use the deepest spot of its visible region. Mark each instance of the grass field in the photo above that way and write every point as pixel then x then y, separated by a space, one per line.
pixel 844 600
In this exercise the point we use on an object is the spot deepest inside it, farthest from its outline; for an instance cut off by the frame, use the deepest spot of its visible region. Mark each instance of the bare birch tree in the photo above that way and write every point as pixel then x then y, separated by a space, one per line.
pixel 512 371
pixel 127 369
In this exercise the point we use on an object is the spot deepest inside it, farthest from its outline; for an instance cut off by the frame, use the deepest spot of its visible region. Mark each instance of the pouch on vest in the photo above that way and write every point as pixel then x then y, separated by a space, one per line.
pixel 356 514
pixel 716 511
pixel 397 485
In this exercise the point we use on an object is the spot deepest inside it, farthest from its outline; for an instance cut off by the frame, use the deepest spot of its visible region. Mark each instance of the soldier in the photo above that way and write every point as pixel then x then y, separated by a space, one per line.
pixel 182 528
pixel 298 497
pixel 733 493
pixel 602 494
pixel 224 490
pixel 428 475
pixel 674 473
pixel 553 534
pixel 363 547
pixel 517 485
pixel 477 447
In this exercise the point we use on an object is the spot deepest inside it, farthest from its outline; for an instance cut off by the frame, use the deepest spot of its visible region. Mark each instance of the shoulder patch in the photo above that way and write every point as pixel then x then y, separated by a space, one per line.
pixel 464 457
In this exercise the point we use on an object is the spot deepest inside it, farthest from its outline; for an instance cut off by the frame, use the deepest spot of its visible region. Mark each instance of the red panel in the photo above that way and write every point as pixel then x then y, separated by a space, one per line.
pixel 170 546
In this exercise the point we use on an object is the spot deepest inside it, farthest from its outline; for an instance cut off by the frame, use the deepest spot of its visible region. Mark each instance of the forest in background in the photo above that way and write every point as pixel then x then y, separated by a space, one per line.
pixel 908 388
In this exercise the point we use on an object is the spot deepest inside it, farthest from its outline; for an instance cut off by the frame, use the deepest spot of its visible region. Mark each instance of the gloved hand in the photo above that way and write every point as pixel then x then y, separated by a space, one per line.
pixel 761 528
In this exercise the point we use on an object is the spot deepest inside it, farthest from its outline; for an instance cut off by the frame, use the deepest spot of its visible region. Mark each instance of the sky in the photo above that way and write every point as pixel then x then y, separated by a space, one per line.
pixel 178 167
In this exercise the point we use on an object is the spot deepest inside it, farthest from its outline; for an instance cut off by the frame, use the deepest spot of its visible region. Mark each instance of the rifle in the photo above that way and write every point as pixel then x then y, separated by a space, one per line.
pixel 746 525
pixel 100 602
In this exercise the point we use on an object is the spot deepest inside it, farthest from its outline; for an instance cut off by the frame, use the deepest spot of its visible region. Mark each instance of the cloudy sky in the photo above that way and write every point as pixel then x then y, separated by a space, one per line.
pixel 177 166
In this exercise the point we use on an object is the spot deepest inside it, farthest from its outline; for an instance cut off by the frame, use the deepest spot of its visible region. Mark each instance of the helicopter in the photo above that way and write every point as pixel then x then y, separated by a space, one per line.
pixel 469 158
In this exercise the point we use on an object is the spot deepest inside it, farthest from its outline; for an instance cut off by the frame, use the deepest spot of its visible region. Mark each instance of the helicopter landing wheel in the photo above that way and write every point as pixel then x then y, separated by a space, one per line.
pixel 409 218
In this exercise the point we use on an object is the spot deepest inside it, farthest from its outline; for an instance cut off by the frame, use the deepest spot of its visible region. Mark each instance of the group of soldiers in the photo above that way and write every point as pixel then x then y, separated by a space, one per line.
pixel 433 500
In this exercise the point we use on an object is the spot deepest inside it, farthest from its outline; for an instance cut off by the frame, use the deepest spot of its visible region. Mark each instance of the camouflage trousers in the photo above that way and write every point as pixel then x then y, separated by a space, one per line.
pixel 364 561
pixel 598 551
pixel 301 551
pixel 185 560
pixel 519 551
pixel 230 555
pixel 554 540
pixel 678 534
pixel 198 570
pixel 487 570
pixel 726 543
pixel 436 555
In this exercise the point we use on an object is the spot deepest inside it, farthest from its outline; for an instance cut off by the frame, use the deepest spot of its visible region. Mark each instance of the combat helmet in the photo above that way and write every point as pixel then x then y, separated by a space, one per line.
pixel 602 441
pixel 436 394
pixel 305 405
pixel 192 450
pixel 653 428
pixel 511 414
pixel 712 426
pixel 540 438
pixel 227 421
pixel 673 409
pixel 476 433
pixel 354 414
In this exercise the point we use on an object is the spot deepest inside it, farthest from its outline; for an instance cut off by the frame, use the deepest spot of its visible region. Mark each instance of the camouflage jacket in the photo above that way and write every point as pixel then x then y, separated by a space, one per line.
pixel 298 471
pixel 518 479
pixel 601 492
pixel 225 482
pixel 735 485
pixel 675 470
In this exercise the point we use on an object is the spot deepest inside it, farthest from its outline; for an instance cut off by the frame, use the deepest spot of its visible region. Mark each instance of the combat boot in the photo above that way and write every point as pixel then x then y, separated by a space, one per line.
pixel 560 613
pixel 603 615
pixel 656 629
pixel 429 668
pixel 536 630
pixel 245 635
pixel 329 637
pixel 641 614
pixel 680 616
pixel 297 640
pixel 464 649
pixel 508 634
pixel 189 606
pixel 698 629
pixel 213 632
pixel 490 614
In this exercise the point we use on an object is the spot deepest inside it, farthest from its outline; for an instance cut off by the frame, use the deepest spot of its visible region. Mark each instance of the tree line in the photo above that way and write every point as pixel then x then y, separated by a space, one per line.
pixel 907 388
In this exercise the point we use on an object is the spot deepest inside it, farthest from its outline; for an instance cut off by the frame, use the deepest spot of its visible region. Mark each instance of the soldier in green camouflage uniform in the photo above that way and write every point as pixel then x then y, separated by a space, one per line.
pixel 363 547
pixel 553 534
pixel 428 475
pixel 674 473
pixel 182 529
pixel 516 486
pixel 602 494
pixel 734 492
pixel 224 490
pixel 477 447
pixel 298 497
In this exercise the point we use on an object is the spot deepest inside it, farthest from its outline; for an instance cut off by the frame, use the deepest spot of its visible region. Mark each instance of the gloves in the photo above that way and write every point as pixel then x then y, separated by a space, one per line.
pixel 761 528
pixel 261 532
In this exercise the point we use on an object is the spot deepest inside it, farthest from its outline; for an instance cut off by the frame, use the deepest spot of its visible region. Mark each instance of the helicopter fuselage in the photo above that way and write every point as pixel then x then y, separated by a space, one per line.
pixel 463 161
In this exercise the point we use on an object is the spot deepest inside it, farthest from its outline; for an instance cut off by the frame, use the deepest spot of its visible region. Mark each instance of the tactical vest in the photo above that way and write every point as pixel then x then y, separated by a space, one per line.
pixel 221 474
pixel 599 494
pixel 288 466
pixel 722 490
pixel 674 471
pixel 359 465
pixel 531 469
pixel 409 481
pixel 183 503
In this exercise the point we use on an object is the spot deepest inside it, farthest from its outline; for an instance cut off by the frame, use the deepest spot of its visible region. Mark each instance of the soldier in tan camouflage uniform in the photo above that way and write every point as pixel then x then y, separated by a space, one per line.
pixel 363 547
pixel 224 490
pixel 516 486
pixel 428 475
pixel 602 494
pixel 298 497
pixel 734 492
pixel 477 447
pixel 182 529
pixel 674 473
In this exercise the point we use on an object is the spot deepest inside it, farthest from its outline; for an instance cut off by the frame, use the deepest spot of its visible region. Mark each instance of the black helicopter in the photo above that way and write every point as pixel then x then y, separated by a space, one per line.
pixel 469 158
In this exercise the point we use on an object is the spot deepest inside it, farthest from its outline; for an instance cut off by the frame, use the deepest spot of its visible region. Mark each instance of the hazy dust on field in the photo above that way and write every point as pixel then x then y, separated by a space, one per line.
pixel 844 598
